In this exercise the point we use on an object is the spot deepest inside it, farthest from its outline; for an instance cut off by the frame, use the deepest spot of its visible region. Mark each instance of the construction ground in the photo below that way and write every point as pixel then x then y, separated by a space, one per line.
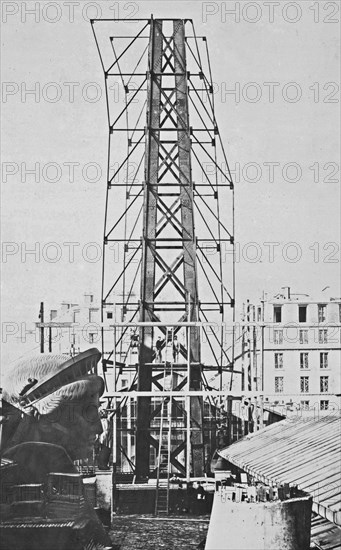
pixel 171 533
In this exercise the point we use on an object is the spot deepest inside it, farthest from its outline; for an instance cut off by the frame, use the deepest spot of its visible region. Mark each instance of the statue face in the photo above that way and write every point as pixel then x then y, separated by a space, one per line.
pixel 67 417
pixel 75 421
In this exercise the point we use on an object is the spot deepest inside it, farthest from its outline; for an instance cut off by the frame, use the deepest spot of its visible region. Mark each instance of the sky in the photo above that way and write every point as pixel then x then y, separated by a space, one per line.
pixel 279 124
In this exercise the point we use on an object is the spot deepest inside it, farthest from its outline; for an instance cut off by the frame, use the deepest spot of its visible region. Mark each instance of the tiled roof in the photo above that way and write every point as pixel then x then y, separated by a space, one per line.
pixel 304 451
pixel 325 535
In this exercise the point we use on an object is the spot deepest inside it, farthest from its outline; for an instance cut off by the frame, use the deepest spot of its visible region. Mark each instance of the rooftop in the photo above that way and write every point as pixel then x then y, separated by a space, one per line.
pixel 304 451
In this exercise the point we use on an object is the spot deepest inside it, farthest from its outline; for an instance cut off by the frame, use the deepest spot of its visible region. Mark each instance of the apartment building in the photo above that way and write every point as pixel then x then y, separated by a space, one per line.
pixel 74 326
pixel 291 350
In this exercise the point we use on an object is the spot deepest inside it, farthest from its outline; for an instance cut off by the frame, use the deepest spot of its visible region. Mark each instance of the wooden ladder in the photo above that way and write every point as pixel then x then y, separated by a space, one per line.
pixel 162 486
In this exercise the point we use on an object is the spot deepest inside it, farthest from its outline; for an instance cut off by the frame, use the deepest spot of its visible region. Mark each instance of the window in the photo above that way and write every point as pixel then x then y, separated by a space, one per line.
pixel 91 337
pixel 109 314
pixel 304 384
pixel 277 314
pixel 278 336
pixel 323 360
pixel 324 405
pixel 279 384
pixel 321 312
pixel 304 360
pixel 304 405
pixel 303 337
pixel 259 314
pixel 323 336
pixel 324 384
pixel 278 360
pixel 302 314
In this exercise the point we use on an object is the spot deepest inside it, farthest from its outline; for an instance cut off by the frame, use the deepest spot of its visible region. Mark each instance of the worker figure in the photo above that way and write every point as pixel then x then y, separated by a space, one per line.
pixel 134 339
pixel 176 349
pixel 222 436
pixel 158 347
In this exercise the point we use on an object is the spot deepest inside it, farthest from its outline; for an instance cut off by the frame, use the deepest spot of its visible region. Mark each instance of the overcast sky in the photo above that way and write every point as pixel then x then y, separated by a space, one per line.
pixel 280 127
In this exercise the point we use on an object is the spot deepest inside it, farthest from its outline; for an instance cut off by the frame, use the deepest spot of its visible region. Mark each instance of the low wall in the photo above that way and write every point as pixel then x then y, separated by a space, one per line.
pixel 139 500
pixel 277 525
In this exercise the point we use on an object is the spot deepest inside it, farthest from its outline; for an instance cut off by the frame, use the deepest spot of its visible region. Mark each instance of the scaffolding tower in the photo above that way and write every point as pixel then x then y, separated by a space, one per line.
pixel 170 281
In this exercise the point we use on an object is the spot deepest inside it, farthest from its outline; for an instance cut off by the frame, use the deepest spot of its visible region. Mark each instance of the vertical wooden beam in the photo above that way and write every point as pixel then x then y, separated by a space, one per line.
pixel 189 246
pixel 168 56
pixel 148 244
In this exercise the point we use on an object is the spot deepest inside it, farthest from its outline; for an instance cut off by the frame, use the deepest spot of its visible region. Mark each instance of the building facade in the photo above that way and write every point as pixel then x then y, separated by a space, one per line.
pixel 291 350
pixel 74 326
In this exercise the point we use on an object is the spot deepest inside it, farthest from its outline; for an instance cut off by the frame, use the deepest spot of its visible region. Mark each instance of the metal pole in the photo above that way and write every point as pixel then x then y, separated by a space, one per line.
pixel 261 412
pixel 41 317
pixel 1 422
pixel 169 444
pixel 188 399
pixel 242 414
pixel 50 335
pixel 159 458
pixel 262 345
pixel 114 420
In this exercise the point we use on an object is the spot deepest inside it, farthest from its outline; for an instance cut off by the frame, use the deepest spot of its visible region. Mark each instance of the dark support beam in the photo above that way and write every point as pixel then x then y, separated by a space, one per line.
pixel 189 248
pixel 167 108
pixel 148 258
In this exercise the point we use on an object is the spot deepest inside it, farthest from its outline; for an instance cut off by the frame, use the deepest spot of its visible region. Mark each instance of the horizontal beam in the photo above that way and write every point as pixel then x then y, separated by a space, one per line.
pixel 185 393
pixel 223 325
pixel 160 324
pixel 212 393
pixel 55 324
pixel 128 19
pixel 173 184
pixel 156 303
pixel 160 128
pixel 147 37
pixel 168 239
